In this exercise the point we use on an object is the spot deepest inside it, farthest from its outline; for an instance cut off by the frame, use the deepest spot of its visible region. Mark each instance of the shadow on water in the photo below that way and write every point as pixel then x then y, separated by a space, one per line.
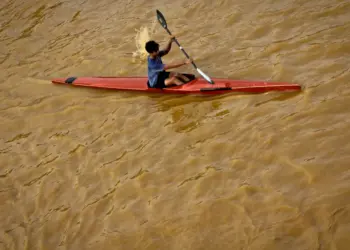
pixel 279 97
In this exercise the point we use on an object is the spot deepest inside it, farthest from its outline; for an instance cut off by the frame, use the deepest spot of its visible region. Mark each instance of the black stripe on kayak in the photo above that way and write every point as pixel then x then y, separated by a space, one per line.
pixel 70 80
pixel 215 89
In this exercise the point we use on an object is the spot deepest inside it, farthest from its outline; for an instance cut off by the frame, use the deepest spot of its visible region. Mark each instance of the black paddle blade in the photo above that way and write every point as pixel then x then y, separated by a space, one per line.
pixel 161 19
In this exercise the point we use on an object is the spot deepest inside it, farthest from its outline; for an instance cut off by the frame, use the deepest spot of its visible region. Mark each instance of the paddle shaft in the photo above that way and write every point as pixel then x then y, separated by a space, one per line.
pixel 162 21
pixel 182 49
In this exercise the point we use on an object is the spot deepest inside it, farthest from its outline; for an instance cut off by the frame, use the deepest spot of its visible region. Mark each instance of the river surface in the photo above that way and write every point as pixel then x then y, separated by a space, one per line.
pixel 95 169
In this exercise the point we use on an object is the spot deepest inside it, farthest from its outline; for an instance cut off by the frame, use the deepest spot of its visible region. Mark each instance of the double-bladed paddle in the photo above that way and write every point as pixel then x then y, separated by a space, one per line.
pixel 162 21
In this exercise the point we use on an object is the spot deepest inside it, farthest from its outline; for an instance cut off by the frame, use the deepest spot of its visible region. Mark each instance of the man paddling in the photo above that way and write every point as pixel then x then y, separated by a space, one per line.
pixel 158 77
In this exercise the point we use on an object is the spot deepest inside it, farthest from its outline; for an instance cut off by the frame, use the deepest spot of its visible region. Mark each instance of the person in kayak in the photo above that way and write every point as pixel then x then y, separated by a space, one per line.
pixel 158 77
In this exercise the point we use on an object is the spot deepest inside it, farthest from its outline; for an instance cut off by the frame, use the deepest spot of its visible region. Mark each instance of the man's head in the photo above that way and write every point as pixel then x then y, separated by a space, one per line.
pixel 152 48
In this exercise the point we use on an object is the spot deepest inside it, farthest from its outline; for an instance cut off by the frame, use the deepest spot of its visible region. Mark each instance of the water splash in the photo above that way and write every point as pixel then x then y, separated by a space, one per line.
pixel 143 35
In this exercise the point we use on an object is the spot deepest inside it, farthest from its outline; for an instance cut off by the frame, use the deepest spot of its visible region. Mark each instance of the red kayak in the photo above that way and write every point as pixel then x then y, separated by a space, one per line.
pixel 195 86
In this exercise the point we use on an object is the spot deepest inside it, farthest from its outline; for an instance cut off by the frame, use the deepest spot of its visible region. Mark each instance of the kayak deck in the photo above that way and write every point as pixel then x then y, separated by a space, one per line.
pixel 197 85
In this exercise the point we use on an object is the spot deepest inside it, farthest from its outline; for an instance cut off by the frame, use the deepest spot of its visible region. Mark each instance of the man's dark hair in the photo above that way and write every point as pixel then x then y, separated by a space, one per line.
pixel 152 46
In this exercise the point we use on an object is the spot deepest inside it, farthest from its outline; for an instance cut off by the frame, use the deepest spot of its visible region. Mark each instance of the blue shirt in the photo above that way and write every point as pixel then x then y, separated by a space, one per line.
pixel 155 66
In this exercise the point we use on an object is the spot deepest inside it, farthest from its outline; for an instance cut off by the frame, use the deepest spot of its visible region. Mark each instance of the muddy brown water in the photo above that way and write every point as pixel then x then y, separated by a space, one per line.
pixel 95 169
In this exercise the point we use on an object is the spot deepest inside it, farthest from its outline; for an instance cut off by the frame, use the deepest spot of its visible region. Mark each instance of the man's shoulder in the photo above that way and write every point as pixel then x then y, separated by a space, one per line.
pixel 156 60
pixel 162 53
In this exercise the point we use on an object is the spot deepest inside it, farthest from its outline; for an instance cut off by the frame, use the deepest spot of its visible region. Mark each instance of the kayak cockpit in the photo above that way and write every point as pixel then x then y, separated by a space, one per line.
pixel 189 76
